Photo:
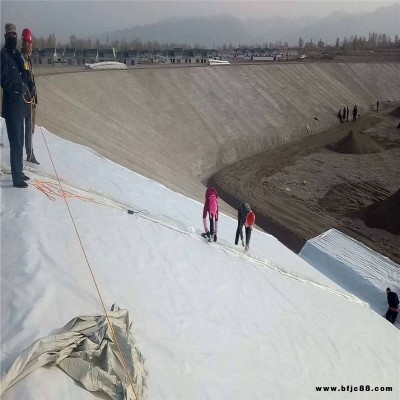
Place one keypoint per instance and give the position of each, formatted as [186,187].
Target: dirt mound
[350,197]
[356,143]
[385,214]
[395,112]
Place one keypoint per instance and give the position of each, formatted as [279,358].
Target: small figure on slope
[211,207]
[393,302]
[246,218]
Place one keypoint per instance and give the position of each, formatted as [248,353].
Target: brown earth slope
[180,125]
[304,188]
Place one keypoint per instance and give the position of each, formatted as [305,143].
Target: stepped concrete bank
[180,125]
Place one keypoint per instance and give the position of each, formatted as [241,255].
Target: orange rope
[52,191]
[63,194]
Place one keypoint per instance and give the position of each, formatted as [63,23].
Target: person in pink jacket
[211,207]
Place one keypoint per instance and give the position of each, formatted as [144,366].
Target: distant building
[46,56]
[200,56]
[263,55]
[69,57]
[188,57]
[58,56]
[120,56]
[223,54]
[131,57]
[176,56]
[106,55]
[263,58]
[157,57]
[89,56]
[247,54]
[178,52]
[143,56]
[169,56]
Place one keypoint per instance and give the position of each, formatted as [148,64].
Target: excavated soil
[385,214]
[356,143]
[395,113]
[347,177]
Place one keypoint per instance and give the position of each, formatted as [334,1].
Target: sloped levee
[179,125]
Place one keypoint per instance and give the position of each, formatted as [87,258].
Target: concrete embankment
[179,125]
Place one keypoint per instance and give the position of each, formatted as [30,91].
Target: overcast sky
[87,18]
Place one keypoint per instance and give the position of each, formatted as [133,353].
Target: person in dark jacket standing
[355,110]
[14,89]
[340,115]
[347,114]
[246,218]
[31,97]
[393,310]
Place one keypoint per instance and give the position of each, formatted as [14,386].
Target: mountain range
[215,31]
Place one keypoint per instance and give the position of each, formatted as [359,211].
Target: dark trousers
[239,232]
[242,214]
[391,316]
[28,136]
[15,131]
[212,224]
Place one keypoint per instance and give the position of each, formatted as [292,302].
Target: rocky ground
[329,180]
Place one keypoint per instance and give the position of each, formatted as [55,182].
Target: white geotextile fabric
[106,65]
[85,349]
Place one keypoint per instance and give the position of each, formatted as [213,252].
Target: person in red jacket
[211,208]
